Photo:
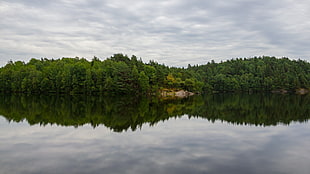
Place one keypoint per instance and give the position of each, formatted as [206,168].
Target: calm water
[203,134]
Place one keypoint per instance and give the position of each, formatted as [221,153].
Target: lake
[220,133]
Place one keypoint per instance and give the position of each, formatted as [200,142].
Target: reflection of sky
[175,146]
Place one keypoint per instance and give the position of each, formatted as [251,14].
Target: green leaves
[123,75]
[255,74]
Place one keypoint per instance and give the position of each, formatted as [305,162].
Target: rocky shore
[176,93]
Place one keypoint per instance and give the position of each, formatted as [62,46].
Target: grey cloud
[173,32]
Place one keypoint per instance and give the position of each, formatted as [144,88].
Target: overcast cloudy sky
[174,32]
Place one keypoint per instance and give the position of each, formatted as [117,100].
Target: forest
[120,74]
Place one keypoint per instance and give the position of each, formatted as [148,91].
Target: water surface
[203,134]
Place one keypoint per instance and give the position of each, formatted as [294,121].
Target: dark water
[202,134]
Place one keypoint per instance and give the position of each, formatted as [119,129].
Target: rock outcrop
[302,91]
[178,94]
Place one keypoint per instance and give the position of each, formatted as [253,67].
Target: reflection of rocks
[302,91]
[179,94]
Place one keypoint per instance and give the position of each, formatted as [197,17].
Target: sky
[172,32]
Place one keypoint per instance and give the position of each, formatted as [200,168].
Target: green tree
[144,82]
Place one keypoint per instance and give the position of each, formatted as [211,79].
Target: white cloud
[175,32]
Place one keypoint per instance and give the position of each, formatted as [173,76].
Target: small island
[120,75]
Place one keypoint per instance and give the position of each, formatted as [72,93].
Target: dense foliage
[255,74]
[120,74]
[121,113]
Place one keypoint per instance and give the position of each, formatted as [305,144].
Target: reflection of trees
[122,113]
[256,109]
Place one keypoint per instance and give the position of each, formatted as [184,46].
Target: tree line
[255,74]
[121,74]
